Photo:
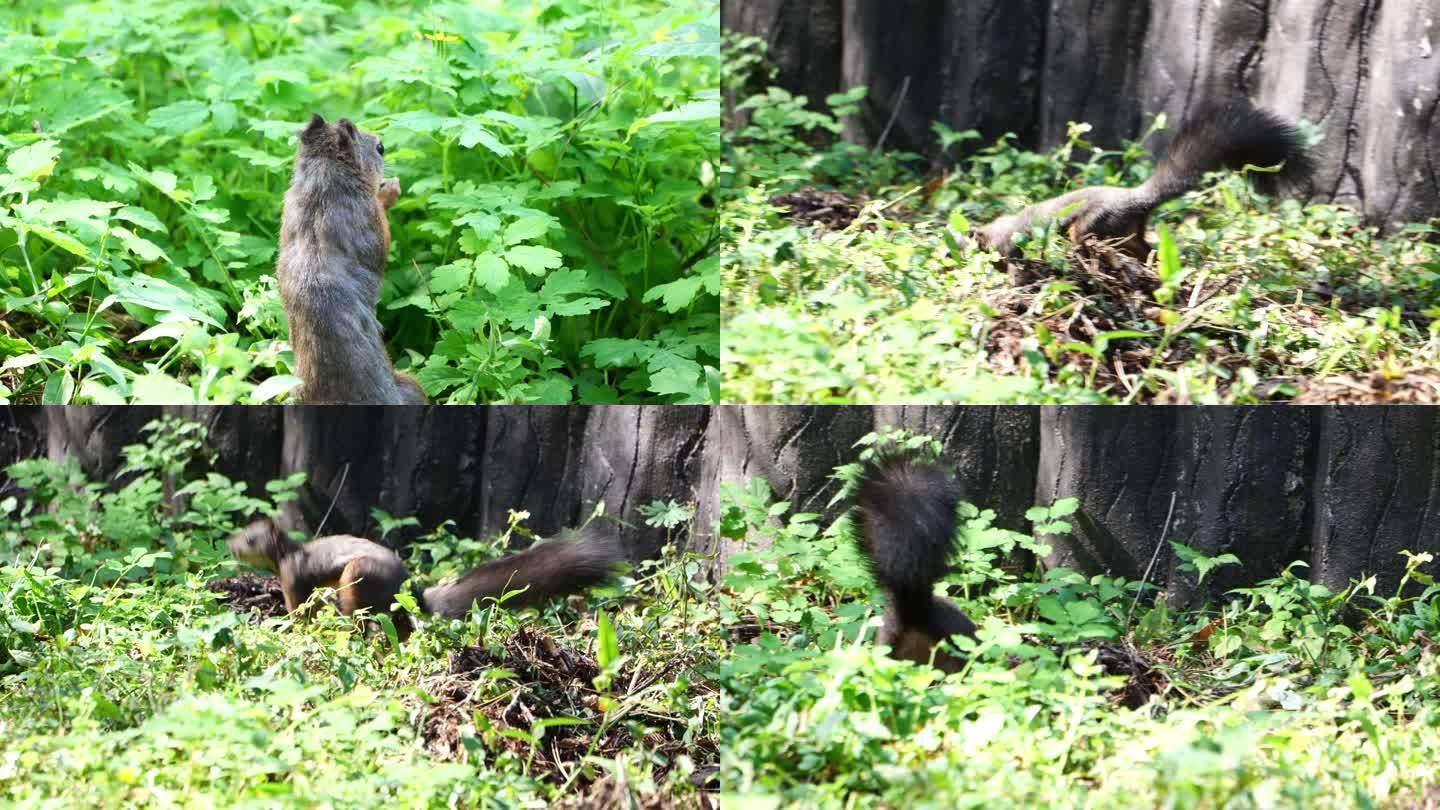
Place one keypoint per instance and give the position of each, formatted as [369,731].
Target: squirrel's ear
[346,132]
[314,129]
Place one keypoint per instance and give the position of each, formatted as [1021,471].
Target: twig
[333,499]
[894,113]
[1153,557]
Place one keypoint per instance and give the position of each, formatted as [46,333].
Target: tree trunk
[466,465]
[1343,489]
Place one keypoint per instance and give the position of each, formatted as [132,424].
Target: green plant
[1245,298]
[130,683]
[1284,695]
[553,243]
[169,517]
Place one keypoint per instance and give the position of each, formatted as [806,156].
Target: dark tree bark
[1233,474]
[466,465]
[1344,489]
[794,448]
[95,436]
[634,456]
[540,473]
[995,451]
[22,435]
[240,437]
[1377,493]
[803,39]
[1362,71]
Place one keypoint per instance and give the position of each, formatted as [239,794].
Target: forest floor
[853,278]
[145,671]
[190,691]
[1077,694]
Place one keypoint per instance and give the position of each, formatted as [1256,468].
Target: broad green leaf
[140,218]
[160,295]
[158,388]
[34,161]
[533,259]
[677,294]
[550,391]
[274,387]
[472,133]
[159,178]
[693,111]
[688,385]
[589,88]
[180,117]
[617,352]
[453,276]
[491,272]
[526,228]
[140,246]
[59,388]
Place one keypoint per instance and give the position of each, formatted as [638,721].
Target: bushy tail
[905,526]
[572,562]
[1231,135]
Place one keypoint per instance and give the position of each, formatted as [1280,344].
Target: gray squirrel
[905,524]
[1228,135]
[369,575]
[334,241]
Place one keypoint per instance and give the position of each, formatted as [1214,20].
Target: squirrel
[366,574]
[1229,135]
[334,240]
[905,516]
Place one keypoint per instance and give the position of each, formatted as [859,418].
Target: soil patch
[808,206]
[1419,386]
[551,681]
[251,593]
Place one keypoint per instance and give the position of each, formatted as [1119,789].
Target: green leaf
[59,388]
[676,295]
[607,641]
[159,178]
[618,352]
[140,246]
[526,228]
[491,272]
[418,121]
[182,116]
[550,391]
[689,385]
[274,387]
[589,88]
[533,259]
[693,111]
[453,276]
[160,295]
[140,218]
[158,388]
[472,133]
[34,161]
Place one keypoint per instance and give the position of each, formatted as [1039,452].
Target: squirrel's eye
[380,147]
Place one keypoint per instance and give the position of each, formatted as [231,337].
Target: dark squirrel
[366,574]
[334,241]
[1228,135]
[905,521]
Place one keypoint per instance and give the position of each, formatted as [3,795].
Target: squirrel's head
[343,143]
[258,544]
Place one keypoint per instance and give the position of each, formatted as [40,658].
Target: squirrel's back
[334,242]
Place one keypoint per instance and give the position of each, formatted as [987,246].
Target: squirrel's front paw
[389,191]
